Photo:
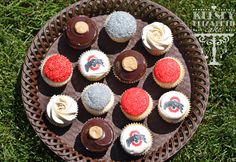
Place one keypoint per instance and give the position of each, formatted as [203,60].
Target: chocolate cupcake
[129,66]
[81,32]
[97,135]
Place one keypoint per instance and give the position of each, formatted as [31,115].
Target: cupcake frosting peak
[62,109]
[157,36]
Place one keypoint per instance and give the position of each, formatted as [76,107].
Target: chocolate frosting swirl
[101,144]
[130,76]
[81,41]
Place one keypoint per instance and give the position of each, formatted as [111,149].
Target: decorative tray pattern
[65,142]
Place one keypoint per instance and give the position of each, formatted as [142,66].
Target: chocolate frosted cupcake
[81,32]
[97,98]
[129,66]
[97,135]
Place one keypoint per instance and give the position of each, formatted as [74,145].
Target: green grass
[215,140]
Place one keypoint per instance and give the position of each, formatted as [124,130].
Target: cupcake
[136,139]
[97,135]
[168,72]
[97,98]
[173,106]
[129,66]
[61,110]
[81,32]
[136,104]
[94,65]
[56,70]
[120,26]
[157,38]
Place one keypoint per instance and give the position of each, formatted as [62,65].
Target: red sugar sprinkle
[57,68]
[167,70]
[135,101]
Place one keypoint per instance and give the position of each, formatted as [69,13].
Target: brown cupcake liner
[94,78]
[98,118]
[145,114]
[171,121]
[178,81]
[105,110]
[140,124]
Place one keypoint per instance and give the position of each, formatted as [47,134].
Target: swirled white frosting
[157,36]
[62,109]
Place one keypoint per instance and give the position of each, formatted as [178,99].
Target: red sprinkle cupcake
[136,104]
[168,72]
[56,70]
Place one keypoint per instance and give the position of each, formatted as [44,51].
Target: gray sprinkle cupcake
[120,26]
[97,98]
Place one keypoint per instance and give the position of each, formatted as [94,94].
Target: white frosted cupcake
[94,65]
[157,38]
[120,26]
[97,98]
[173,106]
[61,110]
[136,139]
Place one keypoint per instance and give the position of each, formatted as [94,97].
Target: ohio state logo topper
[174,105]
[135,138]
[93,63]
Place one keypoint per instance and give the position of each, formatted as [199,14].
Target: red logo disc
[97,65]
[135,143]
[171,108]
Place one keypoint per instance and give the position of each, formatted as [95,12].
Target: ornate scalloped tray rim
[139,8]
